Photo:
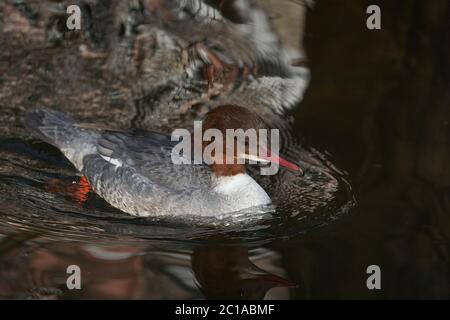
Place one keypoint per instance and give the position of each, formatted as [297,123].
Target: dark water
[375,142]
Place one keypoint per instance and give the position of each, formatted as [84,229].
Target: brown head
[235,117]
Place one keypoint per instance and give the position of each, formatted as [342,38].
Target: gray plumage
[133,171]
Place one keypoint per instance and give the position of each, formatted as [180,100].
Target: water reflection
[49,222]
[35,268]
[227,272]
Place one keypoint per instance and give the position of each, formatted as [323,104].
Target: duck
[134,171]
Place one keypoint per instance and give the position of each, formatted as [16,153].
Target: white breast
[241,192]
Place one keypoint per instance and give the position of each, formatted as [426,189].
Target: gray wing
[149,153]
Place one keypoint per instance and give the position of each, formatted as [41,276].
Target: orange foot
[78,191]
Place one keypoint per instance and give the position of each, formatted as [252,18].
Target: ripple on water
[302,202]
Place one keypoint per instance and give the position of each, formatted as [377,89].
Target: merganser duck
[134,172]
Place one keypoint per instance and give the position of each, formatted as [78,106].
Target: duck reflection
[106,272]
[227,272]
[135,271]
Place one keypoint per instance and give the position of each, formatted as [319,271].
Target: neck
[241,191]
[227,170]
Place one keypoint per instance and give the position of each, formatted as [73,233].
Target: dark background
[379,102]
